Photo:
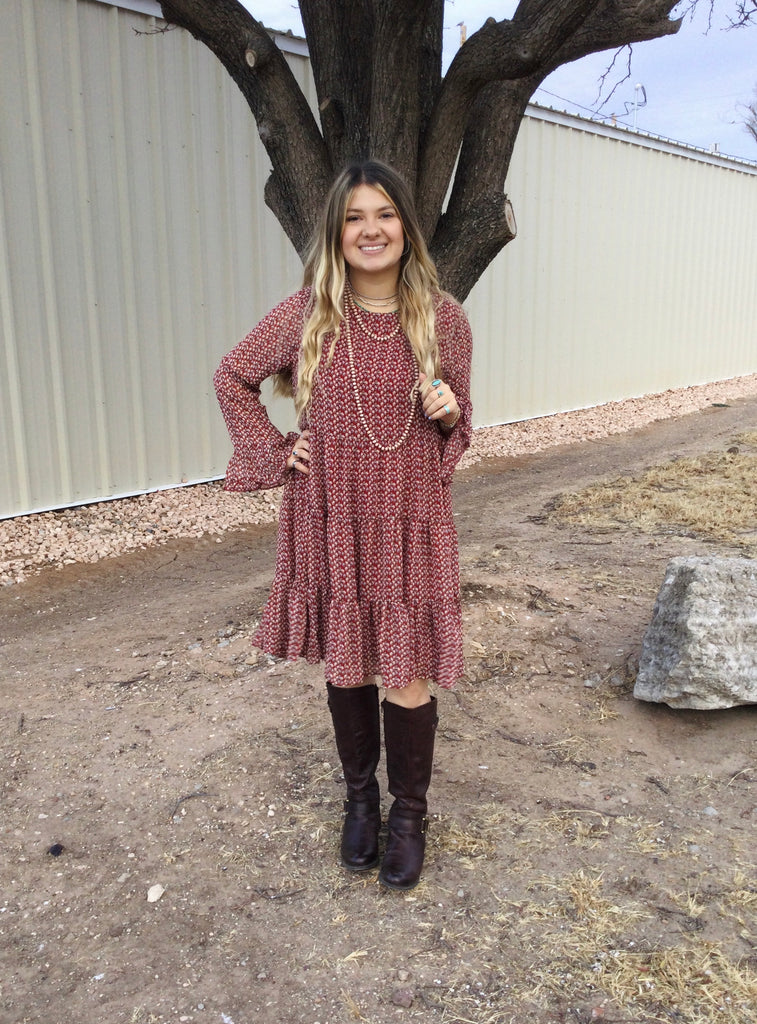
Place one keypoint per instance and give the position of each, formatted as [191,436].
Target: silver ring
[446,409]
[440,393]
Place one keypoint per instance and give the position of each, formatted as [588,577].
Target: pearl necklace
[351,307]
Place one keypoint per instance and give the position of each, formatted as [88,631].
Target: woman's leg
[410,696]
[410,721]
[355,715]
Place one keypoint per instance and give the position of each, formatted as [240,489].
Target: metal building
[135,249]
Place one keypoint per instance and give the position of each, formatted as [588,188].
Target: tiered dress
[366,575]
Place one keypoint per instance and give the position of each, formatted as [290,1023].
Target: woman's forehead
[368,197]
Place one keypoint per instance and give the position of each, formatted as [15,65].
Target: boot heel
[405,851]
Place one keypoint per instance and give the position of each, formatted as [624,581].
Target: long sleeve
[260,450]
[455,350]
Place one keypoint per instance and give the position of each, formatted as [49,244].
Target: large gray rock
[700,650]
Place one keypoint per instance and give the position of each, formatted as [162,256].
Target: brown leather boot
[355,714]
[409,740]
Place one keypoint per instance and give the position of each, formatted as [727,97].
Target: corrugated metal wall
[135,249]
[633,272]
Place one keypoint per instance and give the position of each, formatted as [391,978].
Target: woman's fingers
[439,401]
[300,455]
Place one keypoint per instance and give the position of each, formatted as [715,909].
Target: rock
[403,997]
[154,893]
[700,649]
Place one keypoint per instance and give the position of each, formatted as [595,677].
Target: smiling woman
[366,579]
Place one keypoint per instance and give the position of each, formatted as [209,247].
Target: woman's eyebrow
[359,209]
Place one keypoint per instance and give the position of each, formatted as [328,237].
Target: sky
[696,83]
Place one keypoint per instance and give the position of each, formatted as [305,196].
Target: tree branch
[342,73]
[395,111]
[377,67]
[541,36]
[301,167]
[479,220]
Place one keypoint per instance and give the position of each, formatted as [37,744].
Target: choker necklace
[386,300]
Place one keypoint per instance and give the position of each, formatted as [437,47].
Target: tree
[377,66]
[750,117]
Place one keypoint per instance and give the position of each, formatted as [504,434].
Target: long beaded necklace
[350,307]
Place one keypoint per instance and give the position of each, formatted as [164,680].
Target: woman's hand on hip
[439,402]
[299,457]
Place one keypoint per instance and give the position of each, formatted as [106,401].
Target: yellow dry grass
[581,945]
[710,497]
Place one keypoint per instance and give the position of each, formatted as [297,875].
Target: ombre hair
[326,272]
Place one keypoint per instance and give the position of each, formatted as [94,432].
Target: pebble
[403,997]
[154,893]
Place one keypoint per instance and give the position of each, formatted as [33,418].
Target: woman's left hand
[439,402]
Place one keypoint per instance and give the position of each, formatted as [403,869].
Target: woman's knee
[411,696]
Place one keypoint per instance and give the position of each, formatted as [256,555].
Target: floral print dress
[366,576]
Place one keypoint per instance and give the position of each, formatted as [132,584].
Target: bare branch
[746,13]
[750,117]
[603,78]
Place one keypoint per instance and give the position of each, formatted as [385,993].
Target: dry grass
[581,945]
[700,985]
[478,838]
[710,498]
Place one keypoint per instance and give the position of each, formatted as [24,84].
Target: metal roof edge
[636,137]
[286,41]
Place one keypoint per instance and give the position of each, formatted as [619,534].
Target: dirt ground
[590,857]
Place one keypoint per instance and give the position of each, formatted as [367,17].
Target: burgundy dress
[366,573]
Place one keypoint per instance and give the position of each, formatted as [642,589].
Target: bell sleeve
[260,449]
[455,351]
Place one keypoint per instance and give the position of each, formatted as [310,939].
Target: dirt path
[590,858]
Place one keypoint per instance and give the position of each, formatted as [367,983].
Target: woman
[366,579]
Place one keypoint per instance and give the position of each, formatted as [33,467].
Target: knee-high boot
[409,740]
[355,714]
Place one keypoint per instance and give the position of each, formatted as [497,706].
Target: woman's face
[372,237]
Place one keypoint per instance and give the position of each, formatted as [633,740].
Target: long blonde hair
[325,273]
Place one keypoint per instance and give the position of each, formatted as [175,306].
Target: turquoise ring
[435,383]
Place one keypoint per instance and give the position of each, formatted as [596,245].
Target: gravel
[87,533]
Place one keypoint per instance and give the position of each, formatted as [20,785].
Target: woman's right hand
[299,457]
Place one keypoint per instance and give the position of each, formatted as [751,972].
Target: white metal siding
[632,272]
[135,249]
